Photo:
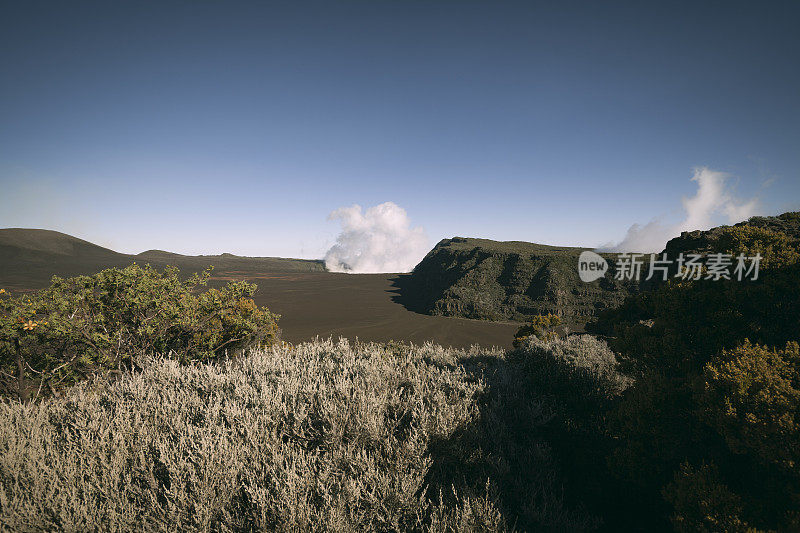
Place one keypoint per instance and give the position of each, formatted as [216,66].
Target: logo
[630,266]
[591,266]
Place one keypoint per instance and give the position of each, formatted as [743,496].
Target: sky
[208,126]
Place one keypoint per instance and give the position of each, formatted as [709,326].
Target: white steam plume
[378,240]
[712,201]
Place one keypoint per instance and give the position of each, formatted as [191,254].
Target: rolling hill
[30,257]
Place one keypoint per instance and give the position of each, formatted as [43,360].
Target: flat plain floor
[335,305]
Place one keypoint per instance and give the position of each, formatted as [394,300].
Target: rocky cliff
[491,280]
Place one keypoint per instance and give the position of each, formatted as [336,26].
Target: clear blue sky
[208,126]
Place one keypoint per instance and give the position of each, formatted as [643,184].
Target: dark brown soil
[362,305]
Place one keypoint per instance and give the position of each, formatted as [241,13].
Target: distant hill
[229,263]
[484,279]
[30,257]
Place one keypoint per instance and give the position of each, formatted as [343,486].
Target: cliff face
[490,280]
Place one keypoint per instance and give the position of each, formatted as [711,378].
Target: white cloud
[712,204]
[380,239]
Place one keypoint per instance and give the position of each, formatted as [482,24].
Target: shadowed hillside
[484,279]
[30,257]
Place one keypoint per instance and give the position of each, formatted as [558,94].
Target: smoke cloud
[380,239]
[712,202]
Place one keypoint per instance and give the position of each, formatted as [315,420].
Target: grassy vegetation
[320,437]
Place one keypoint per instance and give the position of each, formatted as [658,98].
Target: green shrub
[703,504]
[577,380]
[774,247]
[540,326]
[751,396]
[576,368]
[85,324]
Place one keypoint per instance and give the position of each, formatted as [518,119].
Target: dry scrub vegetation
[325,436]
